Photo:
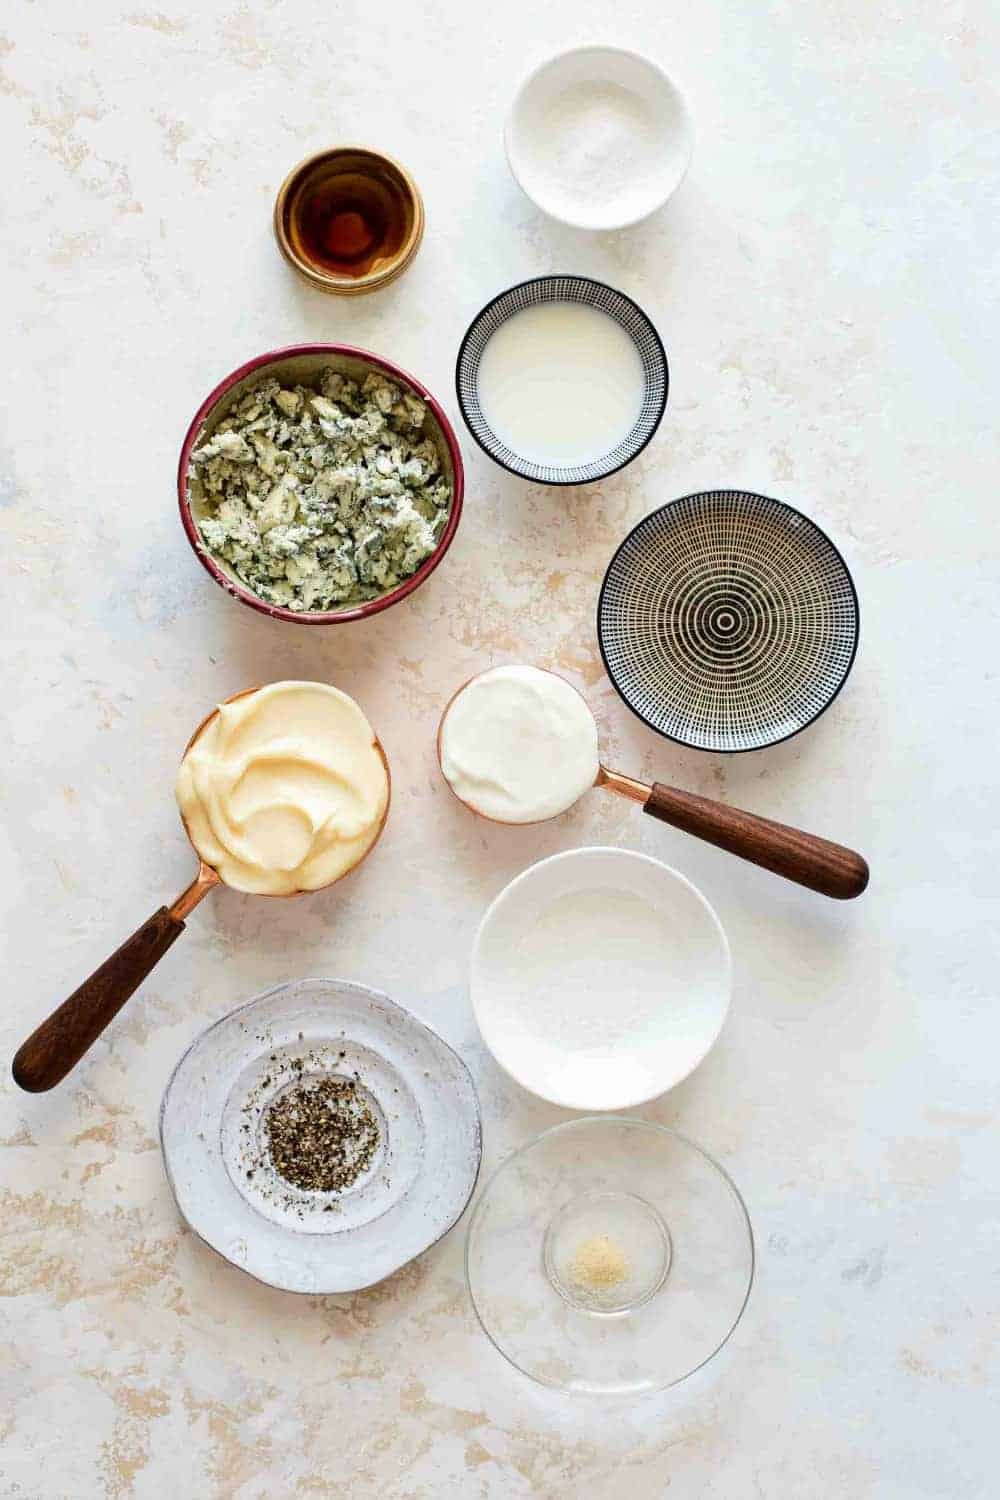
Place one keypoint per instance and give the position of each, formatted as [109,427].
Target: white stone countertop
[825,284]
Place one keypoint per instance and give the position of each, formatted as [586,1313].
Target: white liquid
[593,971]
[561,384]
[595,985]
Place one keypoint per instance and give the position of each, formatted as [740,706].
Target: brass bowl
[387,176]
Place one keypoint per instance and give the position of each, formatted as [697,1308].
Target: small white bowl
[594,1005]
[542,148]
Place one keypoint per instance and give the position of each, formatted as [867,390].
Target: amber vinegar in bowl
[349,220]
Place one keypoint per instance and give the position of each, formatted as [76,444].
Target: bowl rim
[734,749]
[567,1126]
[533,281]
[584,854]
[633,55]
[239,591]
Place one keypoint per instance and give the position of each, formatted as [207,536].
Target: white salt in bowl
[600,978]
[599,137]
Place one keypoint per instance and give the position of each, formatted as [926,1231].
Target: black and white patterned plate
[727,620]
[626,313]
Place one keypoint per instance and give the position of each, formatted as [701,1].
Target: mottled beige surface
[825,284]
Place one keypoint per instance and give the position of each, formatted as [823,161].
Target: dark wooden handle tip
[816,863]
[58,1044]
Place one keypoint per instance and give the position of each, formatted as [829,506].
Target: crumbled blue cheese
[317,498]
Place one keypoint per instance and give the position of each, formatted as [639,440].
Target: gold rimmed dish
[349,220]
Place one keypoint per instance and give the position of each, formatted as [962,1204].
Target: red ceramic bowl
[302,363]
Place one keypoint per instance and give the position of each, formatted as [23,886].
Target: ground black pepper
[322,1135]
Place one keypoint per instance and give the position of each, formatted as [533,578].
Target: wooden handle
[828,868]
[60,1042]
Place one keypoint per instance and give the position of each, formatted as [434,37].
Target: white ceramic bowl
[600,978]
[545,149]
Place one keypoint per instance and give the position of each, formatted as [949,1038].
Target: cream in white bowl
[600,978]
[599,137]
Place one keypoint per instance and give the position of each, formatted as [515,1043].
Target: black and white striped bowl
[626,313]
[727,621]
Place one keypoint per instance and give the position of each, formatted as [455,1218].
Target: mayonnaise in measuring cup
[284,789]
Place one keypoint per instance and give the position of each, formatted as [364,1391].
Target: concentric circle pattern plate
[212,1129]
[727,620]
[626,313]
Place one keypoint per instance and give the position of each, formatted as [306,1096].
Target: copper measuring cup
[58,1044]
[822,866]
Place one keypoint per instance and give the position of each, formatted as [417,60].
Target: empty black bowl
[728,621]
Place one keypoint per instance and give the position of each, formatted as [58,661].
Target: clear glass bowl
[609,1255]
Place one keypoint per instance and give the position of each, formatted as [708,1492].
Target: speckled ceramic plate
[215,1144]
